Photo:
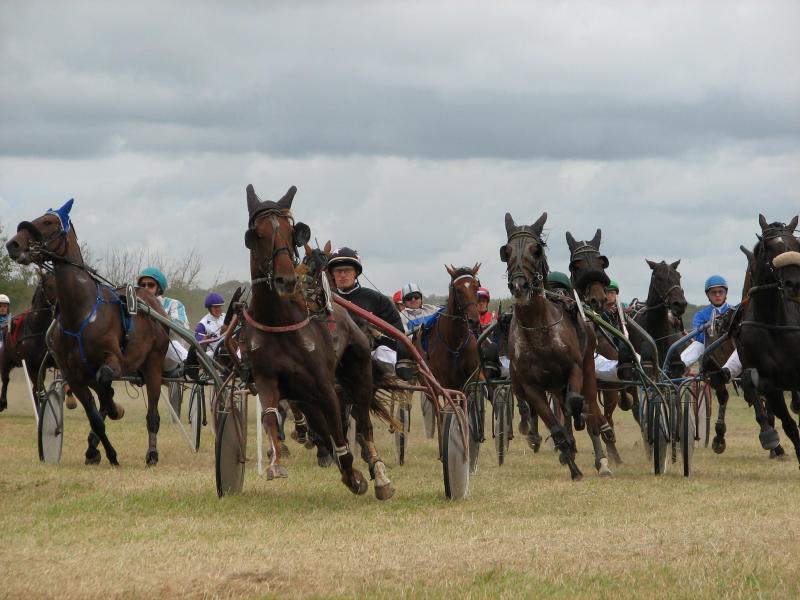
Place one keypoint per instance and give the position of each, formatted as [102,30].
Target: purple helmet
[214,299]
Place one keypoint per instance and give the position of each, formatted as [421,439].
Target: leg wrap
[607,434]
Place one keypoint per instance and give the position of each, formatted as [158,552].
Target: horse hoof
[277,472]
[718,445]
[358,484]
[118,414]
[71,403]
[92,457]
[324,460]
[151,459]
[577,476]
[524,428]
[112,458]
[3,405]
[603,469]
[384,492]
[297,437]
[769,439]
[534,441]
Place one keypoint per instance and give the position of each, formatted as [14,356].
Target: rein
[269,264]
[274,329]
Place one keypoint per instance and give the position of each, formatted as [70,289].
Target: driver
[213,324]
[415,313]
[153,280]
[5,309]
[717,293]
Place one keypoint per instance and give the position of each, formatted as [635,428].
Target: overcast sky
[409,128]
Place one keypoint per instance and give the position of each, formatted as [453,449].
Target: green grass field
[72,531]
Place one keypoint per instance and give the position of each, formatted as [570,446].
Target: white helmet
[410,288]
[4,299]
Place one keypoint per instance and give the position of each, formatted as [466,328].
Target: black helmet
[345,257]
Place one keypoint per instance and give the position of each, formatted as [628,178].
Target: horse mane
[462,271]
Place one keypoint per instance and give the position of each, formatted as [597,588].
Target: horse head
[463,294]
[777,257]
[273,238]
[47,238]
[523,253]
[665,287]
[587,270]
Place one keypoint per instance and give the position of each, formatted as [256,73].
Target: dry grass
[74,531]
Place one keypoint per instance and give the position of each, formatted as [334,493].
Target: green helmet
[558,279]
[613,285]
[155,274]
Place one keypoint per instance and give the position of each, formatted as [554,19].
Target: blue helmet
[214,299]
[157,275]
[716,281]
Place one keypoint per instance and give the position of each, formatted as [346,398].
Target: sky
[409,128]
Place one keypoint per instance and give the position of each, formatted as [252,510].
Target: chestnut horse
[304,359]
[766,330]
[550,347]
[28,343]
[452,341]
[92,345]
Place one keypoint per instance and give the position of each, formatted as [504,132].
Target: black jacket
[379,305]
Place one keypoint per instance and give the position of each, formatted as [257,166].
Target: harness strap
[274,329]
[78,335]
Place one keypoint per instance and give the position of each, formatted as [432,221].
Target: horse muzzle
[17,253]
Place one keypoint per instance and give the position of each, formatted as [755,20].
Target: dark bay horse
[550,347]
[25,339]
[587,273]
[766,330]
[452,345]
[305,359]
[661,315]
[92,344]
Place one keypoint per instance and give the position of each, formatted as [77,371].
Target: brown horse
[550,347]
[25,339]
[452,346]
[587,273]
[92,344]
[304,359]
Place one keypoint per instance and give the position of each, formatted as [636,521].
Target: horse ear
[762,221]
[675,264]
[307,248]
[750,256]
[651,263]
[475,268]
[539,225]
[286,201]
[510,225]
[792,224]
[571,241]
[252,199]
[327,248]
[596,239]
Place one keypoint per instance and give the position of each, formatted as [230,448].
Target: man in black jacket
[345,266]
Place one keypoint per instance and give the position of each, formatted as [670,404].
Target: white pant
[176,354]
[692,353]
[734,365]
[605,369]
[385,354]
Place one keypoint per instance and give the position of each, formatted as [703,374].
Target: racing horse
[301,358]
[550,347]
[661,315]
[587,272]
[25,339]
[96,339]
[766,329]
[449,341]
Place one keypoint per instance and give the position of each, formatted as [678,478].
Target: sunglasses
[148,285]
[413,297]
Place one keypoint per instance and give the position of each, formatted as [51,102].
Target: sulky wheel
[455,461]
[229,454]
[51,424]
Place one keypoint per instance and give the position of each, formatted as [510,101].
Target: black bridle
[300,235]
[520,239]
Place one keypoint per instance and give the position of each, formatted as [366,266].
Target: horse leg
[105,393]
[778,406]
[610,402]
[597,422]
[718,443]
[97,423]
[525,419]
[574,399]
[5,376]
[537,399]
[768,436]
[152,377]
[269,397]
